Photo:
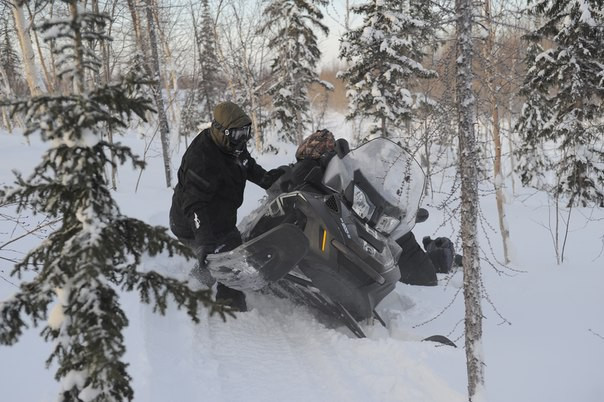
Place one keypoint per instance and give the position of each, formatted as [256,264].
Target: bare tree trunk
[136,25]
[78,74]
[107,78]
[511,147]
[27,51]
[347,16]
[255,125]
[499,195]
[557,229]
[104,78]
[139,36]
[6,120]
[53,69]
[8,92]
[50,84]
[427,155]
[496,126]
[164,129]
[299,134]
[469,200]
[169,61]
[254,117]
[409,130]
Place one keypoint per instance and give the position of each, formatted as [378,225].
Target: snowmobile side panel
[358,262]
[264,259]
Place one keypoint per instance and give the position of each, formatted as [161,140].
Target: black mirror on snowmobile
[315,177]
[342,147]
[422,215]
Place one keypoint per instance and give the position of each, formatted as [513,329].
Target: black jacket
[210,190]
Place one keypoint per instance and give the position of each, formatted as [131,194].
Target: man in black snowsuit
[211,182]
[418,267]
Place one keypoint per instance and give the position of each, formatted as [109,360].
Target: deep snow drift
[544,343]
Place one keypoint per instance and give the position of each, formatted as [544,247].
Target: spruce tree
[207,84]
[561,122]
[9,60]
[10,81]
[83,265]
[210,85]
[292,25]
[191,114]
[384,58]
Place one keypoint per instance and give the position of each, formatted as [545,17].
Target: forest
[499,96]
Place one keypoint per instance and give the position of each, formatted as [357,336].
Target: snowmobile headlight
[361,204]
[386,224]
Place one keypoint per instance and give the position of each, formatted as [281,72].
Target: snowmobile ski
[262,260]
[303,292]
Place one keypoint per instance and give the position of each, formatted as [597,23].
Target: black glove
[271,176]
[202,251]
[441,252]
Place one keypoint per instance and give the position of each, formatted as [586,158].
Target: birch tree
[32,75]
[164,128]
[492,93]
[469,199]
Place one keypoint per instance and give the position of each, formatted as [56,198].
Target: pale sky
[334,16]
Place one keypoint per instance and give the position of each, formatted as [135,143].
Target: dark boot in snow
[231,297]
[441,252]
[415,265]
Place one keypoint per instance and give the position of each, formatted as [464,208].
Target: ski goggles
[239,134]
[235,135]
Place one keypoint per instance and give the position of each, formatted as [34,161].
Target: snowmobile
[329,243]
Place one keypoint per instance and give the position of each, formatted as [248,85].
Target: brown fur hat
[316,145]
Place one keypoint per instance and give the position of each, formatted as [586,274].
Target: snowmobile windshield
[382,182]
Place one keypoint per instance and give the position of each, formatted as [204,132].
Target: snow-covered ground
[543,332]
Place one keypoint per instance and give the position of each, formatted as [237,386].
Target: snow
[56,316]
[586,14]
[543,335]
